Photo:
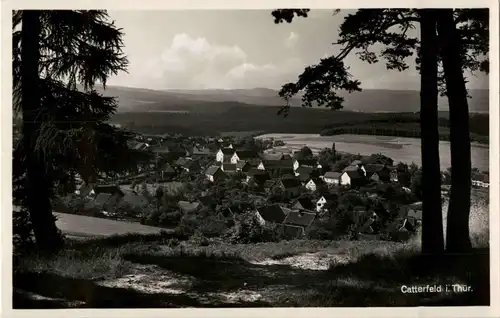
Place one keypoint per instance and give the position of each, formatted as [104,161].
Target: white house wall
[345,179]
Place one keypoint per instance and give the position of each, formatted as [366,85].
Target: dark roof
[351,168]
[304,177]
[101,199]
[290,183]
[228,151]
[304,203]
[374,167]
[271,156]
[168,168]
[200,150]
[212,170]
[356,162]
[273,164]
[240,164]
[299,218]
[229,167]
[305,170]
[353,174]
[261,178]
[316,181]
[307,162]
[332,175]
[255,171]
[110,189]
[135,199]
[246,154]
[182,161]
[329,197]
[272,213]
[483,177]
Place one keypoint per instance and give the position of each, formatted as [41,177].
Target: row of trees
[450,42]
[407,132]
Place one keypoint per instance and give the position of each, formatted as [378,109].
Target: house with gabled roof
[270,214]
[257,176]
[111,189]
[229,168]
[275,164]
[246,155]
[351,178]
[307,163]
[272,156]
[226,155]
[313,184]
[134,199]
[243,166]
[378,172]
[332,177]
[303,204]
[200,151]
[214,174]
[299,218]
[268,185]
[167,171]
[481,180]
[290,187]
[106,203]
[326,202]
[188,164]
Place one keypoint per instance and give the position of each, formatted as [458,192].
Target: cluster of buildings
[268,174]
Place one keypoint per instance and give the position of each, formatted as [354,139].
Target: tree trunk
[457,229]
[38,184]
[432,222]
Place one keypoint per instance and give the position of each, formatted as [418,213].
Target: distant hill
[218,100]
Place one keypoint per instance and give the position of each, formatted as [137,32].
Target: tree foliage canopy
[361,31]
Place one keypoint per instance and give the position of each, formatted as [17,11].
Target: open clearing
[86,226]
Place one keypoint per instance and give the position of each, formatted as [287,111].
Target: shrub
[22,232]
[247,229]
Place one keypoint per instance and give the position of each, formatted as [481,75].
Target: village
[229,176]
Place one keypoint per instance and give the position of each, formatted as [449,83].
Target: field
[84,226]
[159,270]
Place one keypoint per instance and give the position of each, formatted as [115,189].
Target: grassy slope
[365,274]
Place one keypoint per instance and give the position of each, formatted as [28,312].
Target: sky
[234,49]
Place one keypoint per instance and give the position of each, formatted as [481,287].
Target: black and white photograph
[251,158]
